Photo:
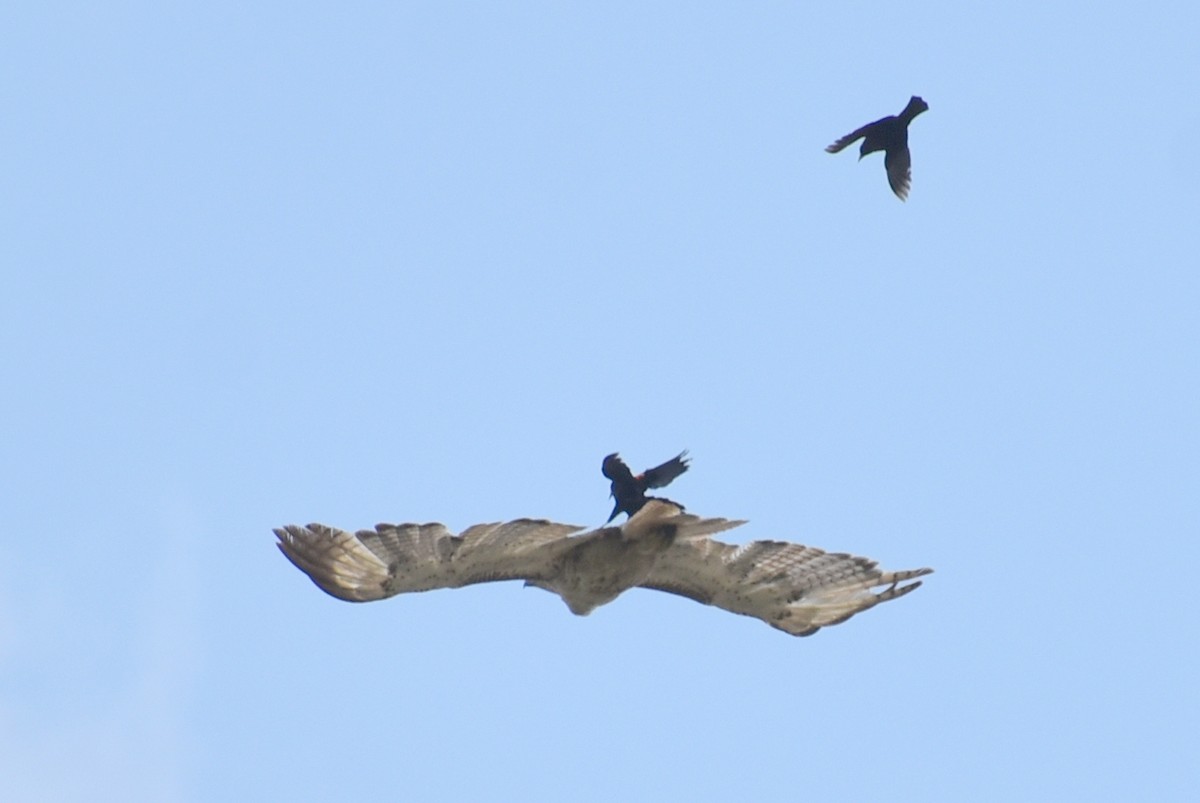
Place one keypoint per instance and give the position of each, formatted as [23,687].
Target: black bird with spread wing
[629,491]
[797,589]
[889,135]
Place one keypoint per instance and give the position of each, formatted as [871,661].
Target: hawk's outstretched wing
[397,558]
[798,589]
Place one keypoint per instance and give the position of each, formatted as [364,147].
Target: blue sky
[360,262]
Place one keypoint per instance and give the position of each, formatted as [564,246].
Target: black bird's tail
[616,510]
[915,106]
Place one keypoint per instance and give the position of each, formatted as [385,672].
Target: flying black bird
[889,135]
[629,491]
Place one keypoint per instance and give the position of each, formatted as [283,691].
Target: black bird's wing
[615,469]
[661,476]
[850,138]
[879,126]
[898,162]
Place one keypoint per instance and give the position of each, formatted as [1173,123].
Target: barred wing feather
[798,589]
[399,558]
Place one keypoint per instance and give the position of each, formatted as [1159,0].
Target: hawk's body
[795,588]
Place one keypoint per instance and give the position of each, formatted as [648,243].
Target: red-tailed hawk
[798,589]
[629,491]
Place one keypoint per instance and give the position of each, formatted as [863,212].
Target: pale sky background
[270,263]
